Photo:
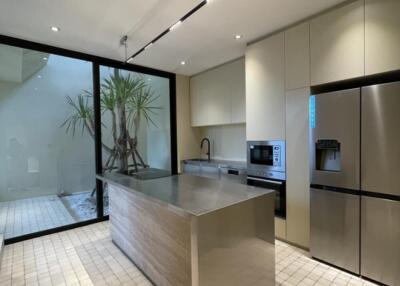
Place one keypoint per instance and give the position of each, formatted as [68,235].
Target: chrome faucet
[208,147]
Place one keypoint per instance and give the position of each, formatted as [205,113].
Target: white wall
[228,142]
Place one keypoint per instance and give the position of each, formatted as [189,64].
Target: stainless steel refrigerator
[335,179]
[380,183]
[355,190]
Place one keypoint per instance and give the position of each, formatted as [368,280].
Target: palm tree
[128,100]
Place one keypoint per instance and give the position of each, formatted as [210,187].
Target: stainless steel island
[188,230]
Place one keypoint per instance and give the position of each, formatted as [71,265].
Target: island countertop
[187,193]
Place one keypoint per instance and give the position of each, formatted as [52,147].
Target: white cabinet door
[337,44]
[218,95]
[297,167]
[210,104]
[237,89]
[382,36]
[297,56]
[265,89]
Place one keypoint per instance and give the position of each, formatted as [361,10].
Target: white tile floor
[86,256]
[25,216]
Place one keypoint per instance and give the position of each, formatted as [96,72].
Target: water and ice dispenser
[327,155]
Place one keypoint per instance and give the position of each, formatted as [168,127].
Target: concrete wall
[37,157]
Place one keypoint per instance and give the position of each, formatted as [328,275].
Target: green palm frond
[141,104]
[81,114]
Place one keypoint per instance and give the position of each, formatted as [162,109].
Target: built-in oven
[266,168]
[280,192]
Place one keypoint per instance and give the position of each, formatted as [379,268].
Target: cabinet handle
[265,180]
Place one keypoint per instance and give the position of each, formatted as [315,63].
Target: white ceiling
[204,40]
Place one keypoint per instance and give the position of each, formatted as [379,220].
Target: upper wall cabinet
[382,36]
[265,89]
[337,44]
[297,56]
[217,96]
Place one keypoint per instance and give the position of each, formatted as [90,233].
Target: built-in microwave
[266,159]
[266,168]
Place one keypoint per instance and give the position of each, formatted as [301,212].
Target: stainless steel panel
[380,166]
[235,245]
[335,228]
[233,175]
[337,117]
[211,172]
[380,240]
[186,193]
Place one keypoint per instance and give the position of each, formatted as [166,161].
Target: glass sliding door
[136,131]
[47,164]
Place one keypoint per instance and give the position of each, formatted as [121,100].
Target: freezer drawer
[380,240]
[335,225]
[380,164]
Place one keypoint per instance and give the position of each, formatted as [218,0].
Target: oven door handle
[265,180]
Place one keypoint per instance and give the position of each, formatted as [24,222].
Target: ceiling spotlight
[183,63]
[45,59]
[55,29]
[39,76]
[148,46]
[238,37]
[174,26]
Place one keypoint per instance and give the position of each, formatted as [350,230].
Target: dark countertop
[187,193]
[242,165]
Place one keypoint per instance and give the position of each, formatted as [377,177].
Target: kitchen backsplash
[228,142]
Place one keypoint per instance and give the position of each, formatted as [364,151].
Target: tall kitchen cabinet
[297,78]
[382,36]
[217,96]
[337,44]
[265,89]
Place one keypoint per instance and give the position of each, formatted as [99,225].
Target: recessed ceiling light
[183,63]
[149,79]
[174,26]
[39,76]
[55,29]
[45,59]
[238,37]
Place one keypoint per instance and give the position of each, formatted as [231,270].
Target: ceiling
[204,40]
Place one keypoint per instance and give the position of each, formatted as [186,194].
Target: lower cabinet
[280,228]
[192,169]
[202,170]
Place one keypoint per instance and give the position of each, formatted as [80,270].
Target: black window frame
[96,63]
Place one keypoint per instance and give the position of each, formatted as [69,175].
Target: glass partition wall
[54,110]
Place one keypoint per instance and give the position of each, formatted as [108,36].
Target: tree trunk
[122,140]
